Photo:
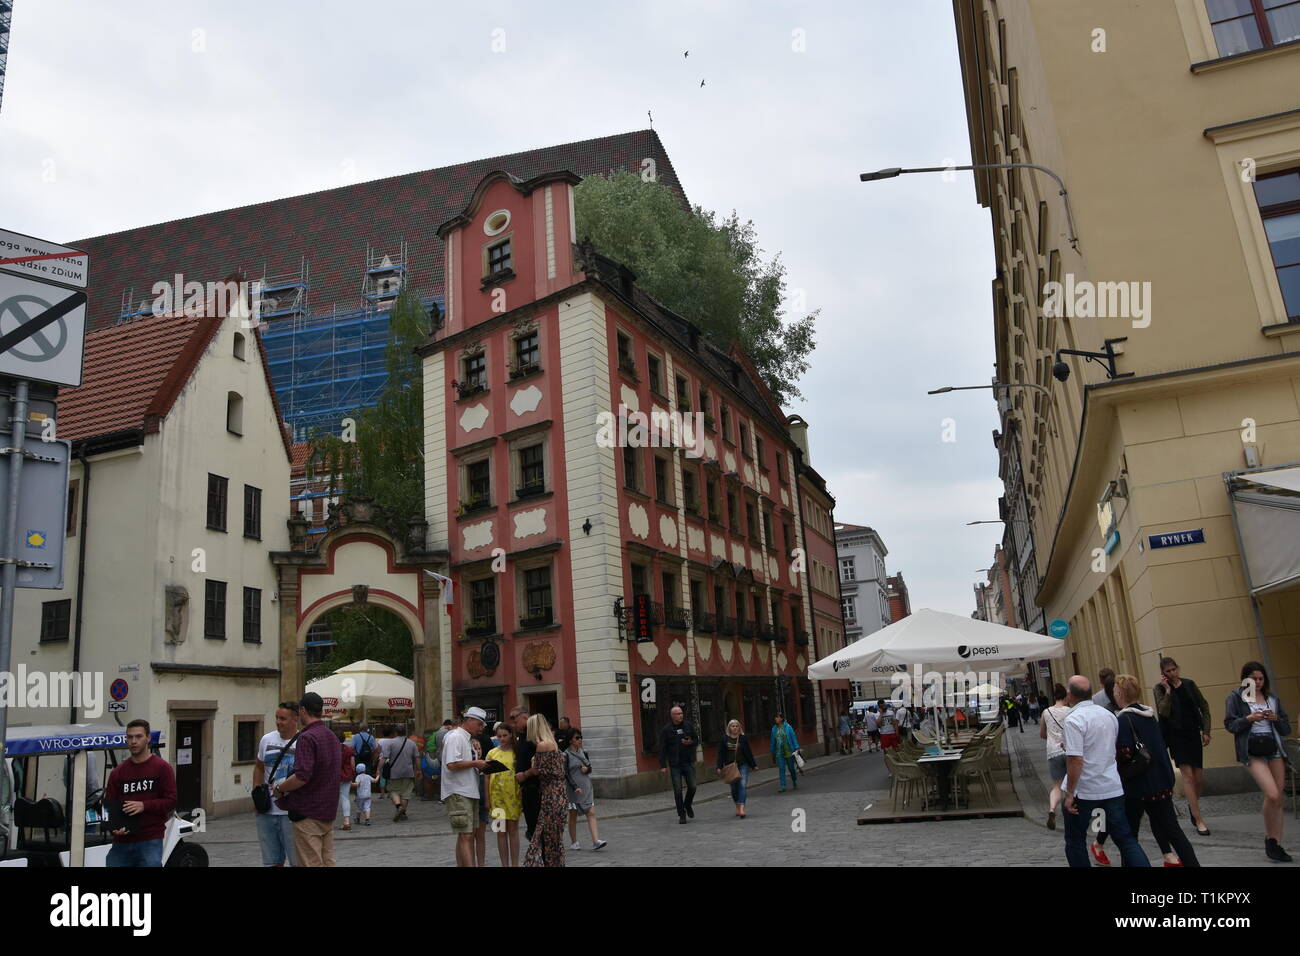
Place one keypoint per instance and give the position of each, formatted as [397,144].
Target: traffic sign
[42,511]
[26,255]
[1059,628]
[42,331]
[117,707]
[119,689]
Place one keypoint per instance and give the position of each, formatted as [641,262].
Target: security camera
[1060,371]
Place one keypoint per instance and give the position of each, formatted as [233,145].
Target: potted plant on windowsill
[518,370]
[479,627]
[535,619]
[530,489]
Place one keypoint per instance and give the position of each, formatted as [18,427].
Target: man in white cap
[460,791]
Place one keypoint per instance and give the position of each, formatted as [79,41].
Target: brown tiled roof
[331,228]
[298,453]
[132,374]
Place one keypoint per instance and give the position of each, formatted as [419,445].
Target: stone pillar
[428,657]
[292,657]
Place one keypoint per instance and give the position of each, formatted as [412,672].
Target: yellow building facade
[1173,126]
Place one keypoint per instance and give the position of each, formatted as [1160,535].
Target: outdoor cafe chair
[907,777]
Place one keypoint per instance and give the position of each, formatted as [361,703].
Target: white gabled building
[176,495]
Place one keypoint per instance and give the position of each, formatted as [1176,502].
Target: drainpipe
[81,568]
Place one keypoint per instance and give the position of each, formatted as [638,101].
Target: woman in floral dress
[547,846]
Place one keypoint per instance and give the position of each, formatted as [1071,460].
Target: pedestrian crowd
[1109,756]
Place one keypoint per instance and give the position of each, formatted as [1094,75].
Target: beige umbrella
[364,685]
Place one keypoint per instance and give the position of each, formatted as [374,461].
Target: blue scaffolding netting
[326,367]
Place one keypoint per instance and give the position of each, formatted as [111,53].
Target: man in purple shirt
[311,793]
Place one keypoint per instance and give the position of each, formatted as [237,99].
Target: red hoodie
[153,783]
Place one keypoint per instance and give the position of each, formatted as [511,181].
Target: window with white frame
[850,612]
[847,572]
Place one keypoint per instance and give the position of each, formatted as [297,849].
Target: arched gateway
[358,561]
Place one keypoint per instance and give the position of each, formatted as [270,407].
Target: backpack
[365,752]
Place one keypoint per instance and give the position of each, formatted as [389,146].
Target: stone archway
[357,560]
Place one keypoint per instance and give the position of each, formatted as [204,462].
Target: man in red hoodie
[146,785]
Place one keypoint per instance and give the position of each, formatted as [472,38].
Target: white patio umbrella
[936,640]
[363,685]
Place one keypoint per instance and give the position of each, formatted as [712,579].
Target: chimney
[799,432]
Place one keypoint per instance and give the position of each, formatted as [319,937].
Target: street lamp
[993,521]
[894,171]
[965,388]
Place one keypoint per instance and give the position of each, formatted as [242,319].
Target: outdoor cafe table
[943,764]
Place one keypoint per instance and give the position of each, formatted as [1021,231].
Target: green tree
[385,458]
[373,633]
[707,269]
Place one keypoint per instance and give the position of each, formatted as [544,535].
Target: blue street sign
[1059,629]
[1176,539]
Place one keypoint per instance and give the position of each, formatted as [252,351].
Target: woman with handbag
[577,778]
[785,750]
[1258,721]
[735,761]
[1146,775]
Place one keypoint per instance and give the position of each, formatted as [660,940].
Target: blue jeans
[275,836]
[1115,823]
[738,788]
[145,853]
[781,764]
[679,774]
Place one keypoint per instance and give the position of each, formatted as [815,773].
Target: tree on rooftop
[707,269]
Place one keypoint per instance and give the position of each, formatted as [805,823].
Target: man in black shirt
[564,734]
[677,742]
[530,787]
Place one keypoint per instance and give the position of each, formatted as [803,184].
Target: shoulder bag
[1139,758]
[262,792]
[731,771]
[389,765]
[1262,745]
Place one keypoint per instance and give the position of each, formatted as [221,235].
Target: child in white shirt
[362,785]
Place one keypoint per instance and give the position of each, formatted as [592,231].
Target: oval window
[496,222]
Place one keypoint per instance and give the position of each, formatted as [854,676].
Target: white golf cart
[74,761]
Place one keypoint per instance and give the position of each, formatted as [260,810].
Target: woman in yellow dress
[503,796]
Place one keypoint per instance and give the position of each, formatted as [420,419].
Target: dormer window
[499,261]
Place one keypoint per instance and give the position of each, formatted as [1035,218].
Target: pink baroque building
[556,534]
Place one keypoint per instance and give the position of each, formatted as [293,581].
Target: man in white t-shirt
[1092,779]
[872,726]
[460,773]
[274,828]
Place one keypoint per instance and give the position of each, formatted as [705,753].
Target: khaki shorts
[402,786]
[462,811]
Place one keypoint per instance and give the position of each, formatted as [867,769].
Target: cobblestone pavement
[815,825]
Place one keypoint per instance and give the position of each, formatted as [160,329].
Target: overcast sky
[124,114]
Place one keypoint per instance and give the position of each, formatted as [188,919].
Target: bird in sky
[701,82]
[686,54]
